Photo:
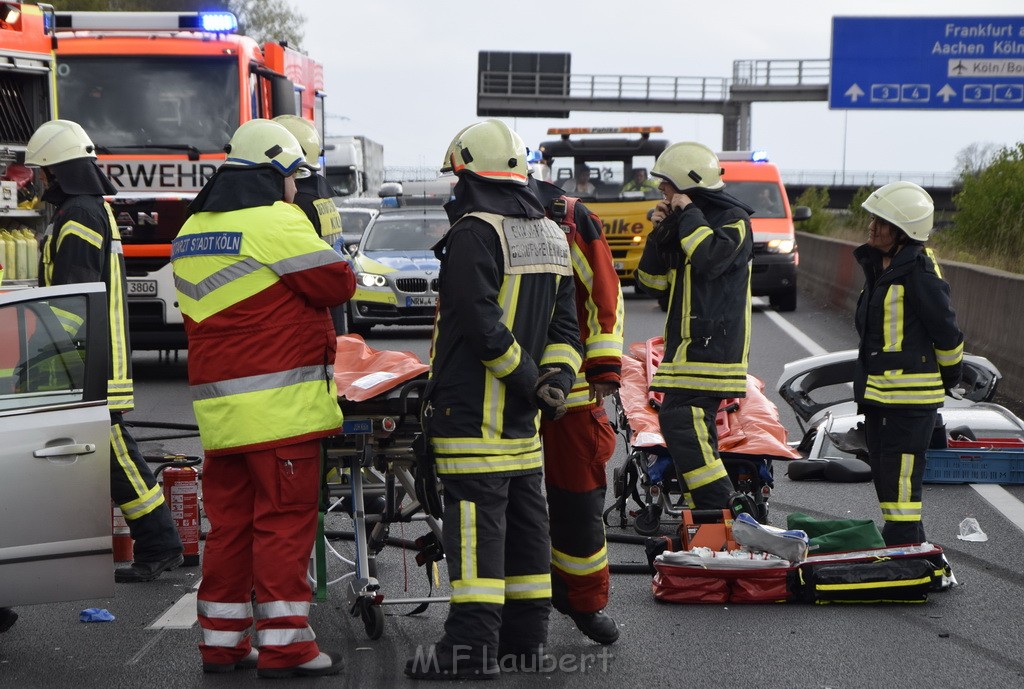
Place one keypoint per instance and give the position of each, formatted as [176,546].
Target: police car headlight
[780,246]
[372,280]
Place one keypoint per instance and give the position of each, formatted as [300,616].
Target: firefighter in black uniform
[505,344]
[911,351]
[699,254]
[83,245]
[313,195]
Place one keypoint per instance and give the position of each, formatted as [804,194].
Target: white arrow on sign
[854,92]
[946,92]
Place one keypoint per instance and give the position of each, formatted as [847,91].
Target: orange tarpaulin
[753,429]
[362,372]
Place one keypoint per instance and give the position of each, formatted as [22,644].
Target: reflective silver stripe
[135,509]
[224,611]
[266,381]
[197,291]
[295,264]
[283,637]
[694,239]
[115,247]
[212,637]
[282,608]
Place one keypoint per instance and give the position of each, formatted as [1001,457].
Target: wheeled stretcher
[371,473]
[750,437]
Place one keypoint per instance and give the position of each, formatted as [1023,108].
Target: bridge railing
[780,72]
[862,178]
[501,83]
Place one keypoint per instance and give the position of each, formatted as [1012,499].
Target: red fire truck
[26,101]
[161,93]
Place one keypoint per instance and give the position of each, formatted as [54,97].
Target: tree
[270,20]
[972,159]
[263,20]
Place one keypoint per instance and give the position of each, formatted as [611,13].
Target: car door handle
[65,450]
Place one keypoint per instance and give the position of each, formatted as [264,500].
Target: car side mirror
[801,213]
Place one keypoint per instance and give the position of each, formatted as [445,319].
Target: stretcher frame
[374,457]
[750,428]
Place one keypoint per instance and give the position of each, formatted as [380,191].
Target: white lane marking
[997,496]
[801,338]
[181,615]
[135,659]
[1007,505]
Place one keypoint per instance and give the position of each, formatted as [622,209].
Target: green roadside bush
[821,219]
[990,208]
[858,217]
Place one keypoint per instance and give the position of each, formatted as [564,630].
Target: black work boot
[598,626]
[7,619]
[140,571]
[739,503]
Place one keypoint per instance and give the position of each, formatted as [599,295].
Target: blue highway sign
[940,63]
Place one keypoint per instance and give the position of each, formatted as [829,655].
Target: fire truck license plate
[421,301]
[142,288]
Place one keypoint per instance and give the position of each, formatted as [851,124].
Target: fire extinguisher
[181,491]
[122,537]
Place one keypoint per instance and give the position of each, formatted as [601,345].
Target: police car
[396,270]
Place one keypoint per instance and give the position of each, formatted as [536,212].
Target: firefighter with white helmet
[506,343]
[314,196]
[911,351]
[82,244]
[254,284]
[698,256]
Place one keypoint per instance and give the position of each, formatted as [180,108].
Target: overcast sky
[403,72]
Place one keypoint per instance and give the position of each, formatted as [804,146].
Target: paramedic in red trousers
[82,244]
[910,353]
[314,196]
[505,344]
[577,446]
[699,253]
[254,284]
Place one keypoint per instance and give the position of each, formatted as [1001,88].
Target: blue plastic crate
[974,466]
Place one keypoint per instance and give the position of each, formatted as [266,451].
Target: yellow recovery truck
[613,157]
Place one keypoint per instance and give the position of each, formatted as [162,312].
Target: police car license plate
[421,301]
[142,288]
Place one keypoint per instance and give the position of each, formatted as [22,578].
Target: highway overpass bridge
[541,85]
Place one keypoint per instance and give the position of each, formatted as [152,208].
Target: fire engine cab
[26,101]
[160,94]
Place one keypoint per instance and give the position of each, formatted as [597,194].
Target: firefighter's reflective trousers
[135,490]
[897,440]
[688,427]
[262,508]
[576,449]
[498,552]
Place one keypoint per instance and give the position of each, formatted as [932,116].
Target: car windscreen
[764,197]
[354,223]
[404,234]
[595,179]
[128,101]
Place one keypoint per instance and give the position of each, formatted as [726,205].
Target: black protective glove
[550,397]
[951,378]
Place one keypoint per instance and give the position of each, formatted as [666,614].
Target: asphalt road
[968,636]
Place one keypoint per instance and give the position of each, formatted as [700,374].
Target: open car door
[55,528]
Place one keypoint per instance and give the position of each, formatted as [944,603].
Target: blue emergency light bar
[213,22]
[218,22]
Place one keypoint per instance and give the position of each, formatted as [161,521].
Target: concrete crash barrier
[987,301]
